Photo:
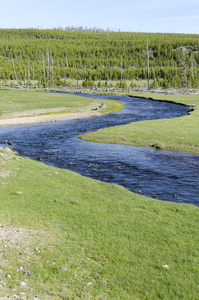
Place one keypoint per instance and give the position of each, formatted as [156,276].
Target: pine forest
[56,57]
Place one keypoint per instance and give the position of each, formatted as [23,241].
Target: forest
[51,57]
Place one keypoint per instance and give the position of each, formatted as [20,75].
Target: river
[160,174]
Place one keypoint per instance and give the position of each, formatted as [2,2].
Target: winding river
[164,175]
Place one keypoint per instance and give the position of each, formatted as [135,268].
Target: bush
[88,83]
[154,84]
[59,81]
[99,84]
[133,85]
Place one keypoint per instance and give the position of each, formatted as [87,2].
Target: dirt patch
[47,118]
[11,236]
[19,245]
[38,116]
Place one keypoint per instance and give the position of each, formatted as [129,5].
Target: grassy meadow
[178,134]
[15,101]
[112,243]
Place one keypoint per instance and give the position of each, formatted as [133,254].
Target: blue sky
[180,16]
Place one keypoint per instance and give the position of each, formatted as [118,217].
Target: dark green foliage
[122,84]
[51,56]
[88,83]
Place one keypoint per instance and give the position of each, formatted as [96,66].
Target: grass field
[13,101]
[112,243]
[179,134]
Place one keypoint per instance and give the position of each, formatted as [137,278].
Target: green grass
[111,106]
[178,134]
[101,233]
[182,99]
[13,101]
[17,101]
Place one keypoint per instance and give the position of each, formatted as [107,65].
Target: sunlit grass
[179,134]
[14,101]
[112,242]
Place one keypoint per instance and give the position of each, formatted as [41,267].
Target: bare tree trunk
[33,71]
[48,69]
[52,71]
[191,67]
[20,70]
[148,63]
[44,72]
[64,77]
[28,73]
[77,74]
[25,78]
[14,70]
[121,68]
[184,70]
[66,60]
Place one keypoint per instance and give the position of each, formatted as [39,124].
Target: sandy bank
[47,118]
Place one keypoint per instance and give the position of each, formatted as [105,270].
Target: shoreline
[47,118]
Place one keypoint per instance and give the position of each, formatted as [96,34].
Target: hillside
[52,57]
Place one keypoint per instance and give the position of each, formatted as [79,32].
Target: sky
[171,16]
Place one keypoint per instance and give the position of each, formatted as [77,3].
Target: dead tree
[66,60]
[147,52]
[44,72]
[48,69]
[14,70]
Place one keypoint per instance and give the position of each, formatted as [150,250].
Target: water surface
[165,175]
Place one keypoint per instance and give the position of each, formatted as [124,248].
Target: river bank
[177,134]
[21,107]
[48,118]
[81,237]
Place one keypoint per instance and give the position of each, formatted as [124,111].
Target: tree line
[49,57]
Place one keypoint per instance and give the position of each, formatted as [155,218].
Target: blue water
[164,175]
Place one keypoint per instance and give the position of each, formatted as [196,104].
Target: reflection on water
[164,175]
